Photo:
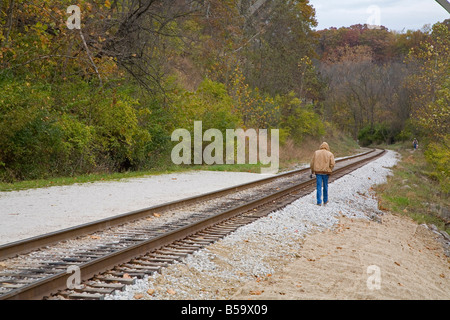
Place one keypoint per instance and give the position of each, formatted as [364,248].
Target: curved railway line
[110,253]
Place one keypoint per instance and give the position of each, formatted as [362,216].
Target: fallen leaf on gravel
[157,215]
[150,291]
[255,292]
[138,296]
[339,248]
[397,263]
[170,291]
[442,275]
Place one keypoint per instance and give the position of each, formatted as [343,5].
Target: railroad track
[109,254]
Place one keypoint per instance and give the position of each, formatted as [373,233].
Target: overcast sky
[399,15]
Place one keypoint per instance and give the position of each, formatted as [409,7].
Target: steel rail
[27,245]
[53,284]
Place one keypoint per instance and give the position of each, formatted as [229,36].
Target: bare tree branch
[88,52]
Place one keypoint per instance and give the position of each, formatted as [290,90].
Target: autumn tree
[381,41]
[430,84]
[281,39]
[362,93]
[430,91]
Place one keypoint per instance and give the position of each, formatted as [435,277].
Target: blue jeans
[322,183]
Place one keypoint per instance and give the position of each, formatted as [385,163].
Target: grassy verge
[290,156]
[412,191]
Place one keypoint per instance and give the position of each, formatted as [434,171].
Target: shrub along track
[107,255]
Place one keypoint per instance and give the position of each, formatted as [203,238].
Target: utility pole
[445,4]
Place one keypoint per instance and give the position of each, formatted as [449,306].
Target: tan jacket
[323,160]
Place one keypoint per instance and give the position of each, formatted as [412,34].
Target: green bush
[407,134]
[210,103]
[299,120]
[437,154]
[49,130]
[29,137]
[376,134]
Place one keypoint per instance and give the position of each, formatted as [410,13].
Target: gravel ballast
[259,250]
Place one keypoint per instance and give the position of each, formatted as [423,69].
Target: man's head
[325,146]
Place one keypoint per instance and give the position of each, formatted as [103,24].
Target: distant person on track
[415,144]
[322,165]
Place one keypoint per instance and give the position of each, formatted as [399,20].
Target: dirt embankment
[395,259]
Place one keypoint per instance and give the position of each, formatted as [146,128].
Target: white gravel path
[30,213]
[263,247]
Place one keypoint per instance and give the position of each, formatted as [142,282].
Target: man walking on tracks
[322,165]
[415,144]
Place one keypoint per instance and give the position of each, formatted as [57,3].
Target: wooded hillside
[107,97]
